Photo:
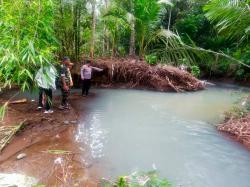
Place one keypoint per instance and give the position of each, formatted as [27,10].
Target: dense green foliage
[27,40]
[197,33]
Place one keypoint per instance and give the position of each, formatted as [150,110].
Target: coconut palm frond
[232,17]
[170,48]
[166,2]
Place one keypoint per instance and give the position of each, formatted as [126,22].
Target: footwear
[48,111]
[61,107]
[68,107]
[39,108]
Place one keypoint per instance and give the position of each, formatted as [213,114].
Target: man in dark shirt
[65,82]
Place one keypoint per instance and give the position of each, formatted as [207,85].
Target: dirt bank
[237,123]
[53,155]
[132,73]
[238,129]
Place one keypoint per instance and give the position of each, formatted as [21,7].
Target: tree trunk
[142,47]
[132,39]
[92,42]
[105,36]
[132,34]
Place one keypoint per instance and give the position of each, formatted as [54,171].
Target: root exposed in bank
[138,74]
[238,128]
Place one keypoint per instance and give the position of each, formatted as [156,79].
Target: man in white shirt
[86,75]
[46,81]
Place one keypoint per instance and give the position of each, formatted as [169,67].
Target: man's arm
[97,69]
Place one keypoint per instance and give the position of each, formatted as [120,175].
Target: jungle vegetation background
[208,36]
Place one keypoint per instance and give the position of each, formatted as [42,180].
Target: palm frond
[232,17]
[170,48]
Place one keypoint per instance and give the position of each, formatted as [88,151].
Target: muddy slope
[52,154]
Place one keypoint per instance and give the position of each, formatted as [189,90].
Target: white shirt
[46,77]
[86,71]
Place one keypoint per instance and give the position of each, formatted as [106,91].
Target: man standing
[66,81]
[46,78]
[86,75]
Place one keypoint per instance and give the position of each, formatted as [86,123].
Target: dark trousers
[86,84]
[65,95]
[48,93]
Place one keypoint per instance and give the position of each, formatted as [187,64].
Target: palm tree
[232,17]
[146,13]
[124,11]
[93,28]
[141,16]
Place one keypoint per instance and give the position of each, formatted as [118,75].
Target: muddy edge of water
[41,136]
[44,133]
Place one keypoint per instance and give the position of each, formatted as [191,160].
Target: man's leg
[67,97]
[64,97]
[48,93]
[40,102]
[83,87]
[88,86]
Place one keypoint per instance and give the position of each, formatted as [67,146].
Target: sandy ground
[41,136]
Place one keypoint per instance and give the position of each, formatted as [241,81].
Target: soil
[238,129]
[42,134]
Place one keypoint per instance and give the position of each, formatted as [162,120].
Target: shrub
[149,179]
[195,70]
[151,59]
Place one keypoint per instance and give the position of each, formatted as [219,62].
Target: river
[132,130]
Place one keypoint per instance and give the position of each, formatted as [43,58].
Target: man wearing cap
[66,82]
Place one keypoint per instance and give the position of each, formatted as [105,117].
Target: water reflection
[92,134]
[128,130]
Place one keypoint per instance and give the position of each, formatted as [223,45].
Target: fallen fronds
[3,109]
[139,74]
[239,128]
[58,152]
[237,122]
[7,132]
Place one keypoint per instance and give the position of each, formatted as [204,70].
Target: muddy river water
[131,130]
[122,131]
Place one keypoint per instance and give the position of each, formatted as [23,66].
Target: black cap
[65,58]
[88,62]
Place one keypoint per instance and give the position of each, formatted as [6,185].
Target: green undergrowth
[240,110]
[138,179]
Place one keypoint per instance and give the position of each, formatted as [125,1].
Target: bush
[151,59]
[195,70]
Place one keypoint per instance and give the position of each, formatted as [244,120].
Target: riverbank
[137,74]
[52,155]
[237,123]
[238,129]
[49,140]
